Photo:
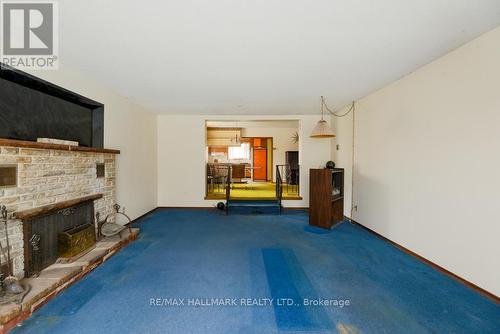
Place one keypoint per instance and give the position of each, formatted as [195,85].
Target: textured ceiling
[260,56]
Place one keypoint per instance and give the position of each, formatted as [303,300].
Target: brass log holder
[75,242]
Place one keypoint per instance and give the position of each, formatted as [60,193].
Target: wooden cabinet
[326,197]
[223,137]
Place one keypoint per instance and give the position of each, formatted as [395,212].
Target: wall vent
[100,170]
[8,176]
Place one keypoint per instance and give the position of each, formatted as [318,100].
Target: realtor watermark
[248,302]
[29,35]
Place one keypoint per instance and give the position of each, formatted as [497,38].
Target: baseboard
[187,207]
[465,282]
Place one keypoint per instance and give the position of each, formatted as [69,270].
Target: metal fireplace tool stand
[11,289]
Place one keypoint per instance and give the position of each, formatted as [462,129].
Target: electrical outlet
[338,147]
[355,208]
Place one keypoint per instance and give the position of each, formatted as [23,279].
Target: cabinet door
[260,142]
[337,211]
[223,137]
[320,195]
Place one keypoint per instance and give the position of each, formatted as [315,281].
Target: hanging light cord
[352,108]
[325,106]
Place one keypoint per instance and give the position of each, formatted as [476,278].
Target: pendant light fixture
[322,129]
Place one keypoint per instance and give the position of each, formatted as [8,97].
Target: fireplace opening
[67,232]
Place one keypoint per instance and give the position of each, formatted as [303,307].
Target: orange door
[260,164]
[257,142]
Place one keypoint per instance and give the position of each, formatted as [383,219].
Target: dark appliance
[292,163]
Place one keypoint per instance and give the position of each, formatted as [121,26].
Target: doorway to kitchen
[247,160]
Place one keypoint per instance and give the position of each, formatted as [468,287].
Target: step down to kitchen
[253,207]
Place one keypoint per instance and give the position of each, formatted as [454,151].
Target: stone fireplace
[47,175]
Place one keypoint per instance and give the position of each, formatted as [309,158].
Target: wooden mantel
[31,213]
[47,146]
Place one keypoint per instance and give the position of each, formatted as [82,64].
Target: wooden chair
[210,177]
[237,173]
[216,176]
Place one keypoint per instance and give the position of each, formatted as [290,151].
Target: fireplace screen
[41,234]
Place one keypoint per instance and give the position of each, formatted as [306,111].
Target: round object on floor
[220,206]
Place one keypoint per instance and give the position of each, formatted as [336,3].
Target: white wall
[427,161]
[183,137]
[127,127]
[282,141]
[342,153]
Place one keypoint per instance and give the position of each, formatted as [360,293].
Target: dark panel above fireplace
[32,108]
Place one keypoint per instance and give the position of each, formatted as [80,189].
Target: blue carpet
[210,262]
